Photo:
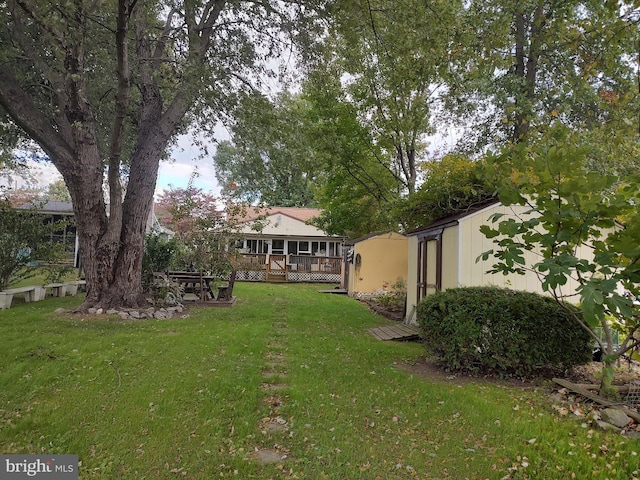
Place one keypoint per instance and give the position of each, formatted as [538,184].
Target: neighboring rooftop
[301,214]
[51,206]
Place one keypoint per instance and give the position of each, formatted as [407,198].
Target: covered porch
[266,267]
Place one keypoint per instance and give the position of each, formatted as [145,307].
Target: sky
[185,160]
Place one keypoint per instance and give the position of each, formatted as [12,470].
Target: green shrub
[505,332]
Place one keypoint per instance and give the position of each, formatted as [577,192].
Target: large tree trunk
[167,72]
[111,247]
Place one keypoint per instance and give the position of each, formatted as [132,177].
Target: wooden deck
[400,331]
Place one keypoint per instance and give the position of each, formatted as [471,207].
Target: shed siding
[450,257]
[462,245]
[412,276]
[383,262]
[474,243]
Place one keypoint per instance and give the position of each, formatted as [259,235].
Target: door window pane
[277,247]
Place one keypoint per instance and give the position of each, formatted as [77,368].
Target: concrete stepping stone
[272,374]
[267,456]
[274,386]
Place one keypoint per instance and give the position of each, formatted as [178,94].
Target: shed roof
[454,219]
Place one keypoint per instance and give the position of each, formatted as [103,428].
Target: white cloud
[188,159]
[39,175]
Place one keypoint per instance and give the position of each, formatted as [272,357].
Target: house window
[277,247]
[303,248]
[257,246]
[319,249]
[292,248]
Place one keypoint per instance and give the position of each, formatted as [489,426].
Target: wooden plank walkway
[400,331]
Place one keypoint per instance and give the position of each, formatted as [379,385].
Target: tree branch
[27,116]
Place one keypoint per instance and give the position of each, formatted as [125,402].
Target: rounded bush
[485,330]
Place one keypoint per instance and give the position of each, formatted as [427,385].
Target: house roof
[254,213]
[454,219]
[51,206]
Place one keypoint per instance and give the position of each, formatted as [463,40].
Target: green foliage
[396,298]
[452,185]
[58,191]
[159,253]
[24,240]
[355,190]
[572,223]
[393,57]
[491,330]
[269,159]
[201,232]
[539,63]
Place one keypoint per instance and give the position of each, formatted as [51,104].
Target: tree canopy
[532,63]
[268,159]
[103,88]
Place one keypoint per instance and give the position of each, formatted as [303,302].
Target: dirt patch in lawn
[391,312]
[429,368]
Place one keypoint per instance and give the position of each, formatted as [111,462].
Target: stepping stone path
[274,375]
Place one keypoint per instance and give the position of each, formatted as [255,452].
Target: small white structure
[444,255]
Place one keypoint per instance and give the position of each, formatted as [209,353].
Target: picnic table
[196,283]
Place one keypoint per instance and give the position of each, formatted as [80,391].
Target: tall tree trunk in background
[528,32]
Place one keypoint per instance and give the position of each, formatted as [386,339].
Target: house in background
[279,244]
[54,212]
[443,255]
[377,262]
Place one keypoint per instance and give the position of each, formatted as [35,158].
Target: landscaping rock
[607,426]
[59,311]
[615,417]
[632,434]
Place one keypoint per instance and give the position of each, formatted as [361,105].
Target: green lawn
[186,398]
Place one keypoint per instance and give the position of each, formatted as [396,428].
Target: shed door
[429,266]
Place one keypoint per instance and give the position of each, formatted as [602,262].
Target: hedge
[489,330]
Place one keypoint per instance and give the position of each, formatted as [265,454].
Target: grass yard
[286,371]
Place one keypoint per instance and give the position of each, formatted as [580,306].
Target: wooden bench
[225,292]
[31,294]
[63,289]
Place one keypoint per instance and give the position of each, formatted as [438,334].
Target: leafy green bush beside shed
[505,332]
